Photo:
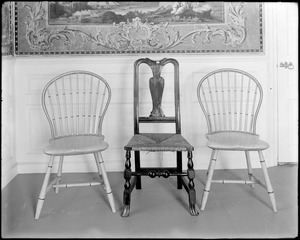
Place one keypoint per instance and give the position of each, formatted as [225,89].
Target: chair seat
[232,140]
[158,142]
[75,145]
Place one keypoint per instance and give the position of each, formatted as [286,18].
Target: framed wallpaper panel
[46,28]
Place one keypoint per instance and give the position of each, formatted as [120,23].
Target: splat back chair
[75,104]
[157,142]
[230,100]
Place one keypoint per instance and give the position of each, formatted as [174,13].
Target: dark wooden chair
[157,142]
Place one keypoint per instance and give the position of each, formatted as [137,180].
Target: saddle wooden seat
[235,141]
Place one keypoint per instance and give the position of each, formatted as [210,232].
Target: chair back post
[232,102]
[136,98]
[43,97]
[61,103]
[259,103]
[176,93]
[106,103]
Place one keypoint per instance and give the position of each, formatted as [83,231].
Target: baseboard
[88,165]
[8,172]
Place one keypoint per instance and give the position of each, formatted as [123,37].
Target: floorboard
[158,210]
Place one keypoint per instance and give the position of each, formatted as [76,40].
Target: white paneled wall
[32,131]
[8,147]
[32,74]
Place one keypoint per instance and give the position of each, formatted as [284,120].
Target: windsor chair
[157,141]
[75,104]
[230,100]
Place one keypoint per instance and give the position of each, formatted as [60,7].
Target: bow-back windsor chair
[157,141]
[230,100]
[75,104]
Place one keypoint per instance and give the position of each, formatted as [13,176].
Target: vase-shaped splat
[156,84]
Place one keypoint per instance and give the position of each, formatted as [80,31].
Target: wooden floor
[159,210]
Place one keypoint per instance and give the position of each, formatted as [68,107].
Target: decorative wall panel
[138,27]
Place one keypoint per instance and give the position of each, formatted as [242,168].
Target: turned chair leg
[127,186]
[179,169]
[137,169]
[44,189]
[249,167]
[192,191]
[59,172]
[267,179]
[106,182]
[100,173]
[211,169]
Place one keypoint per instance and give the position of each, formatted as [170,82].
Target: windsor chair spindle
[75,104]
[230,100]
[157,141]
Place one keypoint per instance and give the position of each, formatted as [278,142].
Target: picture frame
[47,28]
[7,35]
